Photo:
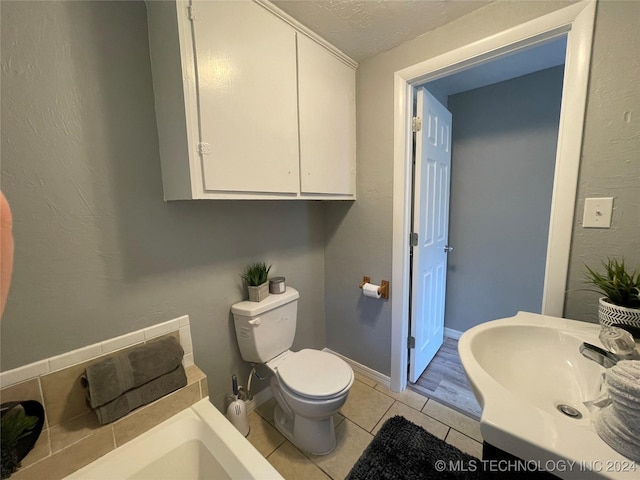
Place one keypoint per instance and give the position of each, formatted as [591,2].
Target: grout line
[318,466]
[346,419]
[448,432]
[277,446]
[284,440]
[404,403]
[462,433]
[380,419]
[44,406]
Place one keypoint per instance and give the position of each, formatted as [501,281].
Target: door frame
[577,22]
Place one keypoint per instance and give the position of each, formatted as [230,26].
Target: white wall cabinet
[249,104]
[326,90]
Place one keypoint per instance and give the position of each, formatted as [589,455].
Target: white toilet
[309,386]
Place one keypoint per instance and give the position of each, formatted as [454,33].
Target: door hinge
[411,342]
[416,124]
[190,13]
[204,148]
[413,239]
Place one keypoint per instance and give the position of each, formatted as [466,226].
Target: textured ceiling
[362,29]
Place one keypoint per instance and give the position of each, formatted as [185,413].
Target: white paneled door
[431,223]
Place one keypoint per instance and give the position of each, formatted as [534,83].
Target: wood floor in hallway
[445,380]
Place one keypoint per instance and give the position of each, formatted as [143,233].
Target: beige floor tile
[467,425]
[337,420]
[293,465]
[351,442]
[464,443]
[263,436]
[364,379]
[365,405]
[434,427]
[408,397]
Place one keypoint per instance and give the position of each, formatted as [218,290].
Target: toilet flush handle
[255,322]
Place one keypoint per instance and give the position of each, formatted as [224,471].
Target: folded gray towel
[110,378]
[619,423]
[623,382]
[141,395]
[617,434]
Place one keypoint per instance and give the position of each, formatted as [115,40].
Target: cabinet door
[327,121]
[246,70]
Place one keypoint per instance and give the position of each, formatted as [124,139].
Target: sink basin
[522,369]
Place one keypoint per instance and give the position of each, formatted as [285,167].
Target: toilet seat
[315,374]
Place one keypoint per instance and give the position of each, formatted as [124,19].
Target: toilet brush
[237,411]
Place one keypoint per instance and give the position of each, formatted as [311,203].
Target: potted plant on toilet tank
[620,304]
[256,278]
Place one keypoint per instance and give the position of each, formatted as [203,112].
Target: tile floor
[367,407]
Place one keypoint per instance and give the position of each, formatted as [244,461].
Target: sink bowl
[524,371]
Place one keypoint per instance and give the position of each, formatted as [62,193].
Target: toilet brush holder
[237,415]
[237,411]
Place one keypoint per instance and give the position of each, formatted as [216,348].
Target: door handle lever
[448,249]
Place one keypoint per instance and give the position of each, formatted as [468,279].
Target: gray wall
[359,238]
[503,158]
[98,252]
[610,165]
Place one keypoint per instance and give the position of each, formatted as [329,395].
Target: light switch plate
[597,212]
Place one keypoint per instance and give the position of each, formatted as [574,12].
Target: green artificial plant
[619,285]
[256,274]
[15,425]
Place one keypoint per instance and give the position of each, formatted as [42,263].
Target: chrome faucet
[599,355]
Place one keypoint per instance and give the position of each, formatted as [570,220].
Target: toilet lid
[315,374]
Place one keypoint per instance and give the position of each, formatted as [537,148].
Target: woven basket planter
[610,314]
[259,293]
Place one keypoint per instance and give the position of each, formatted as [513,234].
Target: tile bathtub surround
[71,436]
[368,406]
[179,326]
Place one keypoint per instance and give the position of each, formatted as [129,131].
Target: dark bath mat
[403,450]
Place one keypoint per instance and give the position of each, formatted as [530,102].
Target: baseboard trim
[451,333]
[363,369]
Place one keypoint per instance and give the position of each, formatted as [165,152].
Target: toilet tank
[266,329]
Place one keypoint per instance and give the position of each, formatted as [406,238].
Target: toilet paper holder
[384,287]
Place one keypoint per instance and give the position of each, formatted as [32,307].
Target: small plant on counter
[619,286]
[620,305]
[256,276]
[15,425]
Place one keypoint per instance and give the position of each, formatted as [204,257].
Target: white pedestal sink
[521,370]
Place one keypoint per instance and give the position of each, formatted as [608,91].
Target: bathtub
[197,443]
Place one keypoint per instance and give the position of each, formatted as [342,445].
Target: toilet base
[317,437]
